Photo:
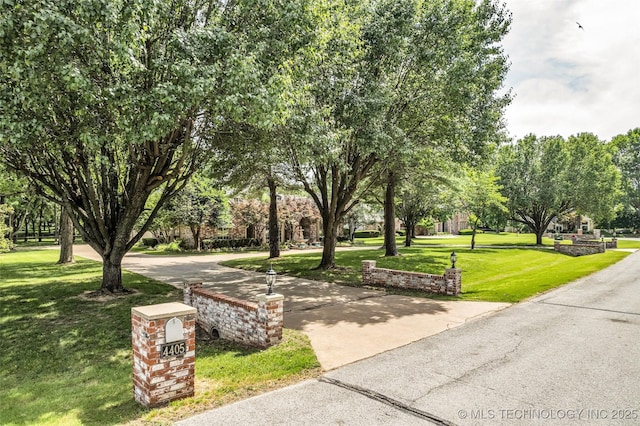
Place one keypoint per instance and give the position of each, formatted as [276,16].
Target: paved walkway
[344,324]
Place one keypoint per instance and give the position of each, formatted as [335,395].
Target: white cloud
[567,80]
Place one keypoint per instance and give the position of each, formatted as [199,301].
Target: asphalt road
[570,356]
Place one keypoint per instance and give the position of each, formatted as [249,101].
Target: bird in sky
[580,26]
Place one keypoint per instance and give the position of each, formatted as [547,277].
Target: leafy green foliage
[545,178]
[105,102]
[386,79]
[198,205]
[626,155]
[5,243]
[481,198]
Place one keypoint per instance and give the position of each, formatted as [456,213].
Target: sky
[566,80]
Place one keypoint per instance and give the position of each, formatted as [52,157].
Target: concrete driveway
[344,324]
[570,356]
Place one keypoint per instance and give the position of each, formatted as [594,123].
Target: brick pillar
[453,281]
[163,340]
[367,271]
[187,290]
[271,317]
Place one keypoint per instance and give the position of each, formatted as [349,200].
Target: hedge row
[366,234]
[231,243]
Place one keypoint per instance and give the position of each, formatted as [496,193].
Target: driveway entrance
[345,324]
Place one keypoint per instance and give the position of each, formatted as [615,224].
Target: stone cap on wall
[270,297]
[163,310]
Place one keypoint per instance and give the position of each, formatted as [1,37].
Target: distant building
[454,225]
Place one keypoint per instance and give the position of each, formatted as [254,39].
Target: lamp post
[270,277]
[453,258]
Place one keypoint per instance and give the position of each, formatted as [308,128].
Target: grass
[482,239]
[490,274]
[504,239]
[629,244]
[66,358]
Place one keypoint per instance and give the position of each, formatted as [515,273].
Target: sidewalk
[344,324]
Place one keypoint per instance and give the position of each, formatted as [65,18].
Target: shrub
[173,246]
[366,234]
[5,243]
[150,242]
[469,231]
[219,243]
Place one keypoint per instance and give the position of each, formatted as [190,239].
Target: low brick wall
[579,249]
[254,324]
[608,244]
[450,283]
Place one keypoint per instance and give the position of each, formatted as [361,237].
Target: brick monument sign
[163,340]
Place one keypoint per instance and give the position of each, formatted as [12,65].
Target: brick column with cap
[453,281]
[271,314]
[163,342]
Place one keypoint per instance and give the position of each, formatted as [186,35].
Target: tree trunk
[196,232]
[329,242]
[408,234]
[66,238]
[112,275]
[539,235]
[274,231]
[390,246]
[473,235]
[40,224]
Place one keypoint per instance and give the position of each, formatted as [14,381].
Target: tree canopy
[106,101]
[481,198]
[626,155]
[389,77]
[547,177]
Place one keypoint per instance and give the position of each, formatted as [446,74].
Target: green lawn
[482,239]
[629,244]
[66,359]
[491,274]
[504,239]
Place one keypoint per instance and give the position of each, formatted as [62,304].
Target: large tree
[419,200]
[198,205]
[444,101]
[481,198]
[532,173]
[392,76]
[548,177]
[626,155]
[104,102]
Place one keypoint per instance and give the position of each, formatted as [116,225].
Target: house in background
[454,225]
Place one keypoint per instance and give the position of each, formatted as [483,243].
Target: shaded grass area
[490,274]
[66,358]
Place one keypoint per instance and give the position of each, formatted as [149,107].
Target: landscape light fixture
[453,258]
[270,277]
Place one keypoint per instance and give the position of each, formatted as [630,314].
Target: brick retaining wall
[608,244]
[450,283]
[255,324]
